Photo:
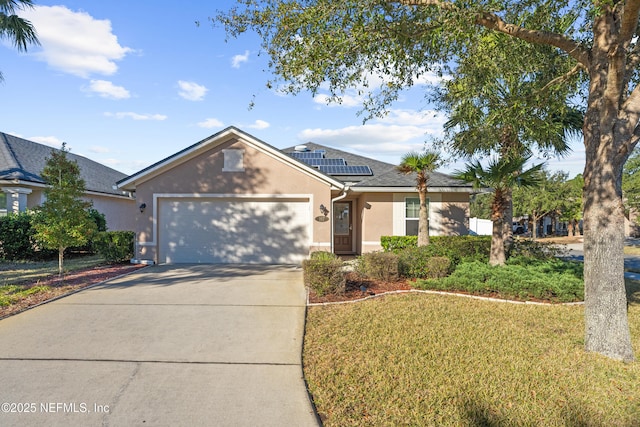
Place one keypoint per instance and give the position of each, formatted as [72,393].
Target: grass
[434,360]
[12,273]
[16,278]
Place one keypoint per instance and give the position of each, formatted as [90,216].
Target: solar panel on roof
[325,162]
[345,170]
[301,155]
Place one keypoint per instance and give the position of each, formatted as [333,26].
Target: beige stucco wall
[203,175]
[376,210]
[120,213]
[383,214]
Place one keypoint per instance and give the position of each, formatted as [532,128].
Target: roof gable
[212,141]
[24,160]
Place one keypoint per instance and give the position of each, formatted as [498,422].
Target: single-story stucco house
[22,187]
[232,198]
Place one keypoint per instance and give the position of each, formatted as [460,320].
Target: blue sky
[128,83]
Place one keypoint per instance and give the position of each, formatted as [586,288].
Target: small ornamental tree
[63,220]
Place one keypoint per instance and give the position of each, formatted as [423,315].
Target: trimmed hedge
[398,243]
[17,241]
[323,273]
[457,248]
[115,246]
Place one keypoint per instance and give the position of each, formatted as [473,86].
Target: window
[411,215]
[233,160]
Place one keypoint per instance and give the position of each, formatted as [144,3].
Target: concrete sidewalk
[166,346]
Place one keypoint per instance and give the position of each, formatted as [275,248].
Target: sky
[129,83]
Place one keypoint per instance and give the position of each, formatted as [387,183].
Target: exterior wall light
[143,207]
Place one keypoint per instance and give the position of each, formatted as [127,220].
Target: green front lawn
[433,360]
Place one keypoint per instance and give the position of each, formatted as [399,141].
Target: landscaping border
[478,297]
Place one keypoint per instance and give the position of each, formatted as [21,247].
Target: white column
[16,198]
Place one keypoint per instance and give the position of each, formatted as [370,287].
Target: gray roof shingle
[384,174]
[23,160]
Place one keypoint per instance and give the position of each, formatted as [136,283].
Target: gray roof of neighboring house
[23,160]
[384,174]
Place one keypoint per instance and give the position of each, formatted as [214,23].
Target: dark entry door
[342,228]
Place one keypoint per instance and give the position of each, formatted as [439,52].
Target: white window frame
[417,218]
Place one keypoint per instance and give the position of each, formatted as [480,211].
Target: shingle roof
[384,174]
[23,160]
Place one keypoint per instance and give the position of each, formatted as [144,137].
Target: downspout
[345,191]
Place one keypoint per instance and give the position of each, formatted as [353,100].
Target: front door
[342,228]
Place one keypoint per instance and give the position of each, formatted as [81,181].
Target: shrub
[397,243]
[438,266]
[534,249]
[115,246]
[456,248]
[378,266]
[16,237]
[553,280]
[17,241]
[323,273]
[412,261]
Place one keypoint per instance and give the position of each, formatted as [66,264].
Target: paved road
[575,251]
[165,346]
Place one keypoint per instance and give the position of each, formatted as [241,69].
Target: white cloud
[191,91]
[99,149]
[136,116]
[210,123]
[385,139]
[51,141]
[347,100]
[106,89]
[237,60]
[259,124]
[75,42]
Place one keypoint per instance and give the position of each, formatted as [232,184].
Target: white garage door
[221,231]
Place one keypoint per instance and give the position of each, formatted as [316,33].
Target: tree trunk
[423,220]
[60,260]
[507,226]
[533,225]
[606,322]
[497,254]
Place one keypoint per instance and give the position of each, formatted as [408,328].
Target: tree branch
[629,22]
[564,77]
[494,22]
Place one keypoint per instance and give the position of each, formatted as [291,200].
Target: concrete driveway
[166,346]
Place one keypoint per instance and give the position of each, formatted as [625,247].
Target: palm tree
[422,164]
[501,175]
[18,30]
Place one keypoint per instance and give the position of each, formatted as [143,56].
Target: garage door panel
[229,231]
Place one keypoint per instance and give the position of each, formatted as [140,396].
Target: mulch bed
[354,290]
[71,282]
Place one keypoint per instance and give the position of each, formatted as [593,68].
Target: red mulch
[353,291]
[71,282]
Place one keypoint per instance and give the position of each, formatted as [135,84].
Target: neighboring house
[22,161]
[232,198]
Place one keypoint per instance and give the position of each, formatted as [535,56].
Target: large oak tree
[341,44]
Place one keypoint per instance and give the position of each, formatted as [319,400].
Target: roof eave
[358,189]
